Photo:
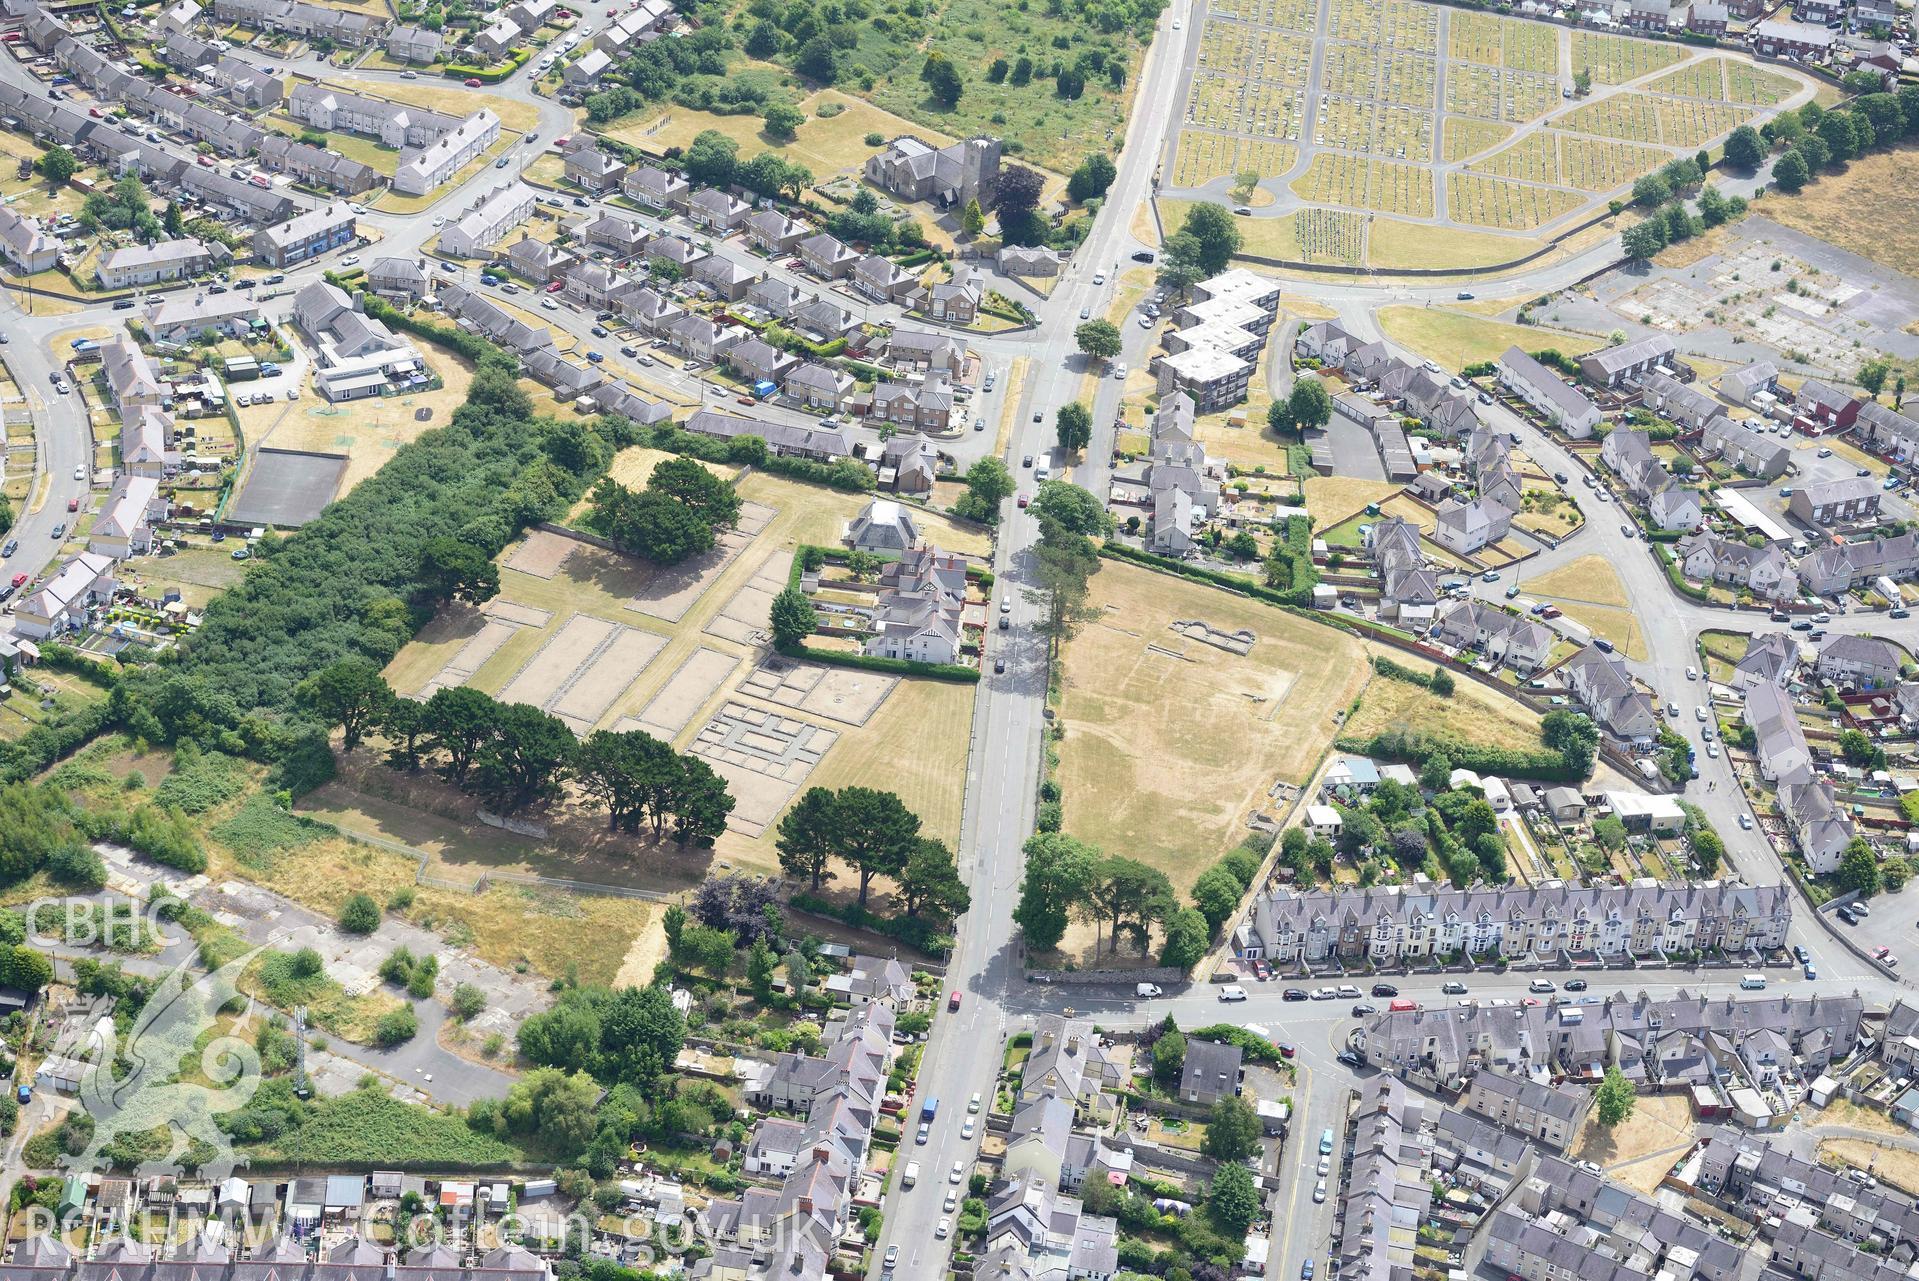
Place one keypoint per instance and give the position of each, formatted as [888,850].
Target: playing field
[1171,742]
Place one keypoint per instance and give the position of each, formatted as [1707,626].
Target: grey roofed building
[1750,451]
[567,379]
[1859,660]
[1741,385]
[1771,659]
[1210,1072]
[1888,430]
[317,166]
[414,44]
[1445,1043]
[1068,1061]
[617,398]
[1562,405]
[1606,691]
[1538,1109]
[540,261]
[1683,403]
[1388,1187]
[1781,748]
[1395,924]
[398,277]
[821,443]
[1837,567]
[1610,366]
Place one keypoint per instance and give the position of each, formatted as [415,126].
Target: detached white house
[124,527]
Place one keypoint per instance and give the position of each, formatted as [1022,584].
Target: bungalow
[567,380]
[823,444]
[1021,260]
[883,526]
[584,73]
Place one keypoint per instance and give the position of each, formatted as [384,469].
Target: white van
[1753,983]
[1043,472]
[912,1173]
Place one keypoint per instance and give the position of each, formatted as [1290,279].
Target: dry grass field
[1473,712]
[1642,1148]
[1896,1166]
[369,432]
[831,146]
[692,642]
[1331,499]
[1591,594]
[1169,741]
[1457,338]
[1865,210]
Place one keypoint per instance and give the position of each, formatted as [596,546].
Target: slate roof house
[1391,925]
[1605,689]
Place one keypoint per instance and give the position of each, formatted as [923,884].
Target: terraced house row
[1388,925]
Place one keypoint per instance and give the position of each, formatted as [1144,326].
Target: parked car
[1293,994]
[1454,988]
[472,82]
[1385,989]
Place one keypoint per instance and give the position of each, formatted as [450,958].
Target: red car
[952,1002]
[1285,1050]
[19,579]
[472,82]
[1024,499]
[96,113]
[555,287]
[73,504]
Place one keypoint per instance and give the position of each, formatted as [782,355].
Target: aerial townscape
[891,640]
